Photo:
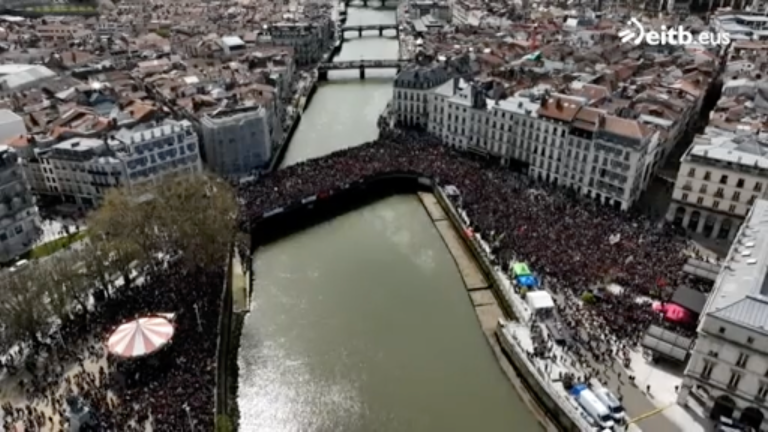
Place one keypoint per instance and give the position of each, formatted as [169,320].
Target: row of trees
[189,217]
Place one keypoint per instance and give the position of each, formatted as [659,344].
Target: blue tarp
[577,389]
[528,281]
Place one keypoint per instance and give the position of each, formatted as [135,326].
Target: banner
[309,199]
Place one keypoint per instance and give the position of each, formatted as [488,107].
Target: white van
[592,406]
[612,403]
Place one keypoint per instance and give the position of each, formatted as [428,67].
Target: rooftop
[740,294]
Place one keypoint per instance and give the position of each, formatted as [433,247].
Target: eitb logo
[636,34]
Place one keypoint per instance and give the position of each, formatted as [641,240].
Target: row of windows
[716,203]
[740,182]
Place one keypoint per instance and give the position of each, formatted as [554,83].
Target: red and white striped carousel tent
[140,337]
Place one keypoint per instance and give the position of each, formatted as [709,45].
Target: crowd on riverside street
[565,239]
[170,389]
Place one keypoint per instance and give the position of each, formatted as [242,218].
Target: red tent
[673,312]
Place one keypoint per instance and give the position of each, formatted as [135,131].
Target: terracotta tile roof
[626,127]
[559,108]
[18,141]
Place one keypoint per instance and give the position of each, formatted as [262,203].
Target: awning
[527,281]
[520,269]
[140,337]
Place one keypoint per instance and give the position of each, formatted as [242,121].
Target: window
[732,208]
[733,383]
[752,199]
[742,360]
[703,189]
[700,200]
[740,183]
[706,371]
[762,391]
[684,197]
[758,187]
[750,340]
[723,179]
[692,172]
[736,196]
[707,176]
[719,192]
[721,330]
[715,204]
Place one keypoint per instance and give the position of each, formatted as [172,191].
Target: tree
[192,215]
[23,309]
[224,423]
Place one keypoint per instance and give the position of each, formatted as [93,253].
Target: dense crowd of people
[169,389]
[576,243]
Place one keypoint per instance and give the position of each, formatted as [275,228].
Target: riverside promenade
[484,302]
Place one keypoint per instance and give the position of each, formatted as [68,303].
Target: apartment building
[81,170]
[728,367]
[19,219]
[309,40]
[237,142]
[720,177]
[555,137]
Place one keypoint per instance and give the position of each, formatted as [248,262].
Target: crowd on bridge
[574,243]
[171,390]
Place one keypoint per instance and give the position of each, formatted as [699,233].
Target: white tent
[539,301]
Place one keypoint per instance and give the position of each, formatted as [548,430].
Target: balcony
[718,194]
[687,187]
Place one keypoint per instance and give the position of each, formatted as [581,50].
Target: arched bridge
[361,28]
[362,65]
[381,2]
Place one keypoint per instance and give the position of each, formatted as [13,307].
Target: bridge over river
[361,28]
[362,65]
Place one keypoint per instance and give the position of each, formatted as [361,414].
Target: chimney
[558,104]
[456,81]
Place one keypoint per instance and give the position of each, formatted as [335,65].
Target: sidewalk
[240,294]
[663,381]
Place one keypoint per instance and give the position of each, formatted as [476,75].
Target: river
[362,323]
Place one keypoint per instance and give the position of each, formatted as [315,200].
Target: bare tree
[190,215]
[23,309]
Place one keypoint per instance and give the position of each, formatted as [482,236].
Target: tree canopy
[187,217]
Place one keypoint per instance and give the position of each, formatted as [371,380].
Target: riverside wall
[311,210]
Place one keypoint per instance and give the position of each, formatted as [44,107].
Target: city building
[80,170]
[557,138]
[11,124]
[310,40]
[239,141]
[720,177]
[728,366]
[19,219]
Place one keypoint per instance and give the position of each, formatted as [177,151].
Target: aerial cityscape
[389,215]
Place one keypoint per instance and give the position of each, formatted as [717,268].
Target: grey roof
[704,270]
[690,299]
[740,294]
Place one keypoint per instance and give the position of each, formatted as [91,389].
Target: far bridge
[368,27]
[382,3]
[361,65]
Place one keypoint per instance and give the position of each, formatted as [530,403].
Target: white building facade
[728,367]
[720,177]
[19,219]
[237,143]
[553,137]
[81,170]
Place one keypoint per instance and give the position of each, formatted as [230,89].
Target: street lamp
[189,418]
[197,314]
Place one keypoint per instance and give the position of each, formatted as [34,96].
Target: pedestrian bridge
[361,65]
[369,27]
